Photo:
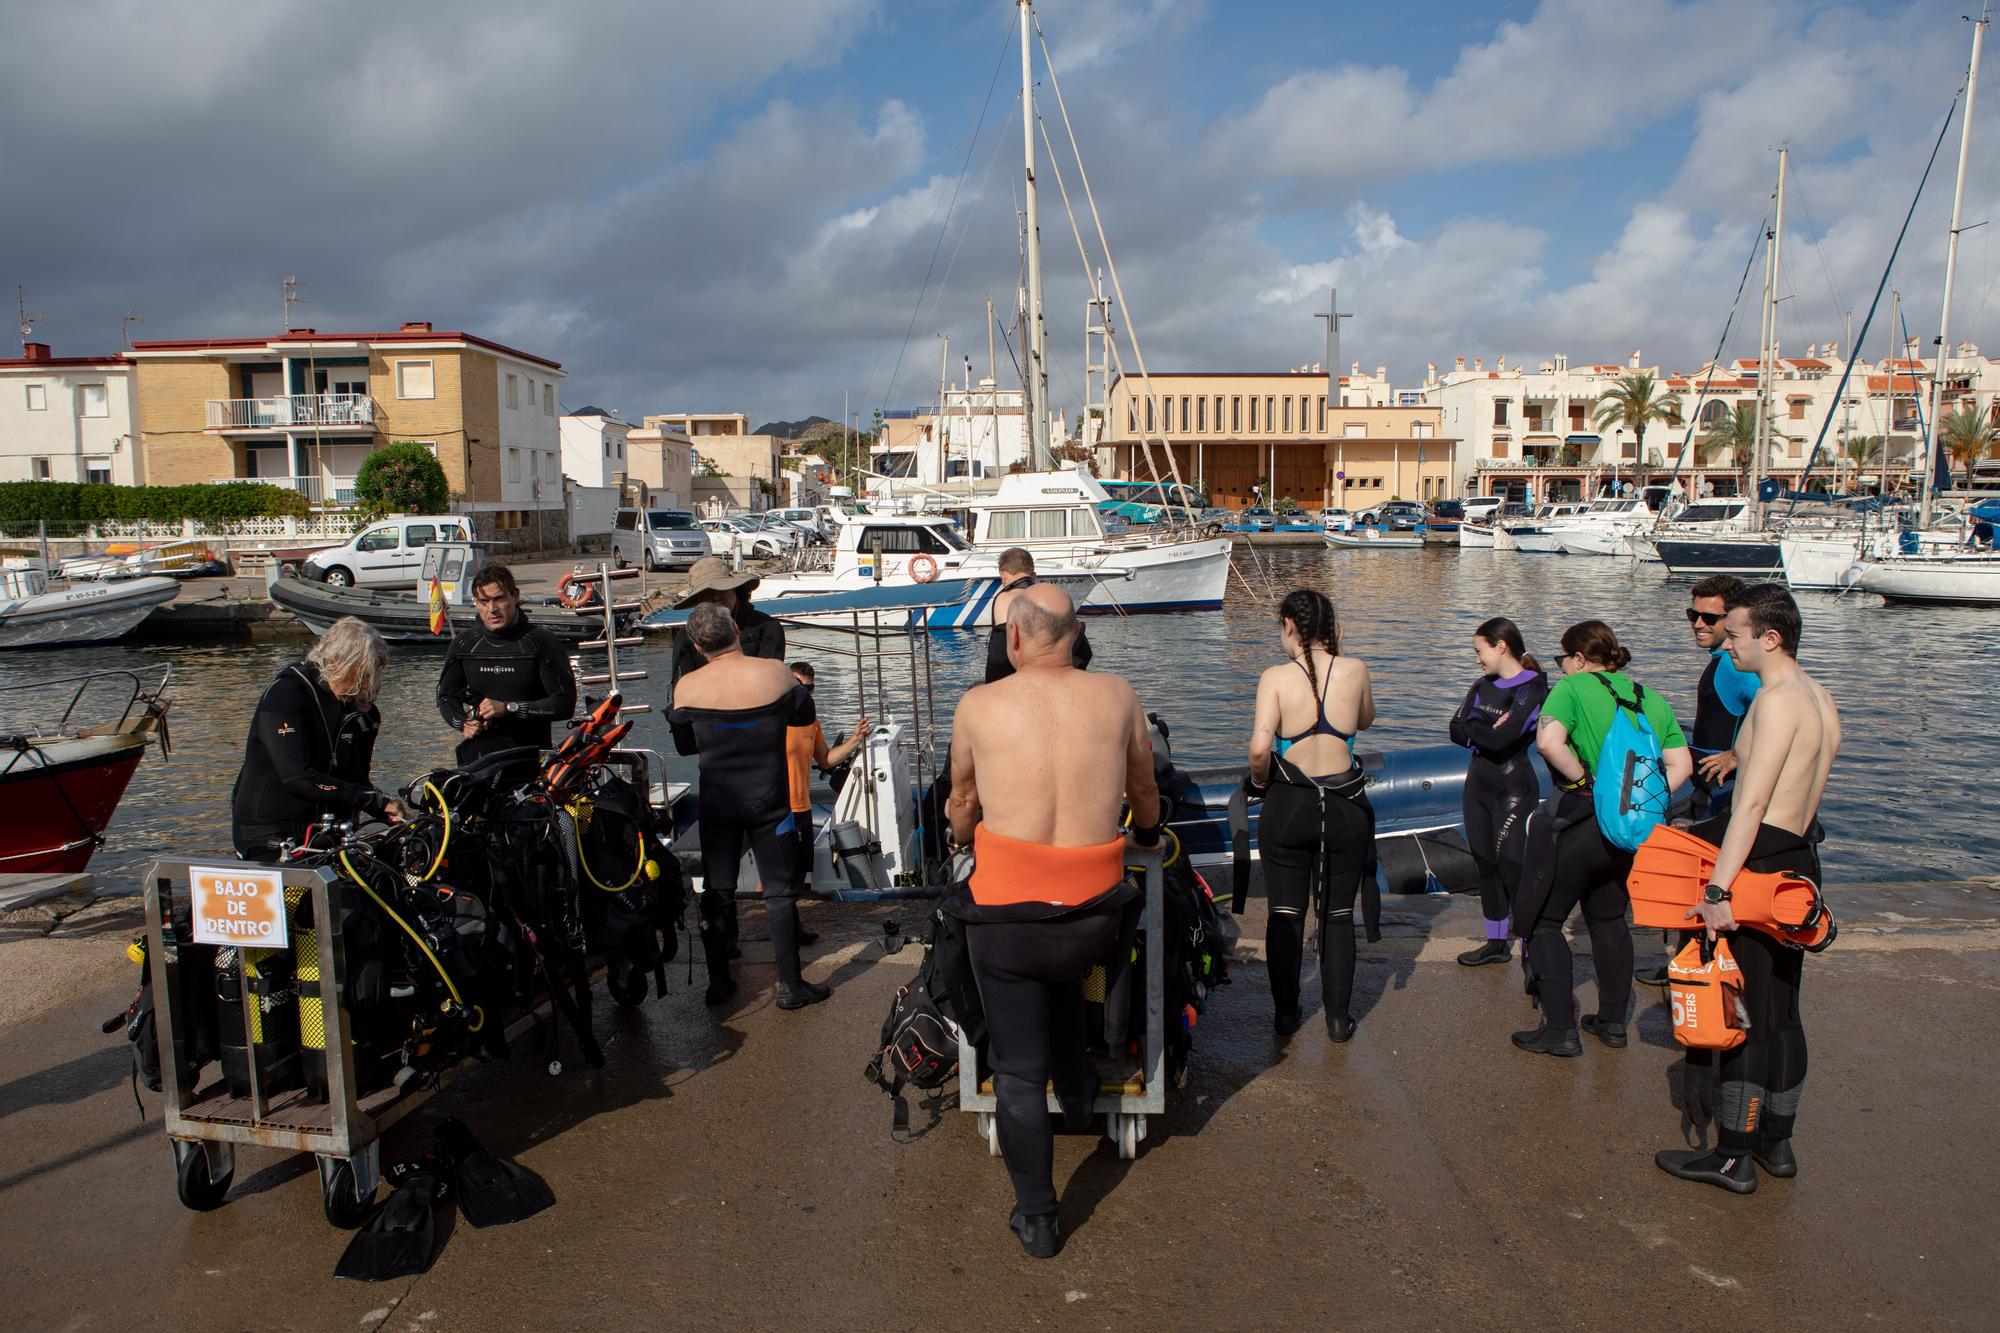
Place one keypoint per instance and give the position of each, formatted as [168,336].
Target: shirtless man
[1785,749]
[1039,763]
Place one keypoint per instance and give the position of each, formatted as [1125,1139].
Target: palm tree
[1633,402]
[1968,436]
[1736,433]
[1862,450]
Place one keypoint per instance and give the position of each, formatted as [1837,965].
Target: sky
[766,205]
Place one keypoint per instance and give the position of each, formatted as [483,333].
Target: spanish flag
[439,621]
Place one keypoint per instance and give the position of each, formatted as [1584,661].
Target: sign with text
[235,905]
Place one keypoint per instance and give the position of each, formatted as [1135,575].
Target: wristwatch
[1715,893]
[513,706]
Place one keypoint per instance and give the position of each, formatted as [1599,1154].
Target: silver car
[657,538]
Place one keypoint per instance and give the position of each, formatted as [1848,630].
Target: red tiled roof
[1812,362]
[304,337]
[1880,384]
[36,363]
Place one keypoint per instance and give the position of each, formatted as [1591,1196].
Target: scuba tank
[257,1013]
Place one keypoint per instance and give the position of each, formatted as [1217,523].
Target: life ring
[922,568]
[574,590]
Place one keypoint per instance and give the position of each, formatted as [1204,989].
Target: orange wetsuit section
[1672,868]
[801,744]
[1007,871]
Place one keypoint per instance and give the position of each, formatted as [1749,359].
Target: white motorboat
[1602,528]
[1476,535]
[1966,578]
[32,615]
[1537,535]
[1375,539]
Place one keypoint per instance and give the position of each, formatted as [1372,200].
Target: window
[1235,415]
[607,446]
[1354,430]
[1420,430]
[419,534]
[1499,411]
[1218,412]
[514,391]
[1045,523]
[548,400]
[1149,415]
[41,469]
[91,401]
[1253,415]
[1270,411]
[1083,523]
[513,465]
[1166,414]
[97,471]
[414,380]
[1322,414]
[1288,414]
[903,541]
[376,539]
[1201,413]
[38,398]
[1131,416]
[1008,525]
[1186,424]
[1798,406]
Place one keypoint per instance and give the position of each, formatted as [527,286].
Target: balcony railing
[313,488]
[289,411]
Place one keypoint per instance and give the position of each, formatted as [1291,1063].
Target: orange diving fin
[1672,867]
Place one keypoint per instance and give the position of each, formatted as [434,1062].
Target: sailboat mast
[1767,365]
[1037,378]
[1950,271]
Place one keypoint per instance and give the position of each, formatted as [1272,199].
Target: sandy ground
[731,1169]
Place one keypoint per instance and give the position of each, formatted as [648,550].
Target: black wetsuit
[1569,861]
[1714,730]
[308,754]
[999,666]
[746,796]
[1313,833]
[759,635]
[522,664]
[1760,1080]
[1497,723]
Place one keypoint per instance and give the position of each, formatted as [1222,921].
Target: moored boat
[1375,539]
[32,615]
[401,617]
[69,759]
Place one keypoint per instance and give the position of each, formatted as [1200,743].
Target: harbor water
[1904,805]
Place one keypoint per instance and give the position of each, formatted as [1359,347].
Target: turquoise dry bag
[1629,787]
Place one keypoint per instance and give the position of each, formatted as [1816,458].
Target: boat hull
[404,617]
[1544,542]
[1951,581]
[1695,556]
[88,613]
[1475,536]
[1373,539]
[59,796]
[1593,541]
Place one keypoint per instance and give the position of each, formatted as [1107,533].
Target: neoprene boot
[1775,1156]
[1493,951]
[1286,1022]
[1735,1173]
[1339,1027]
[1546,1040]
[800,994]
[1611,1034]
[1040,1236]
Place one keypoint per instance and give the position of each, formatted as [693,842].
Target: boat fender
[922,568]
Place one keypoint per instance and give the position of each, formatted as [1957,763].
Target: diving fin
[491,1190]
[401,1240]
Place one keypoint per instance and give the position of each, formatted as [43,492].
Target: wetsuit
[523,665]
[1721,700]
[999,666]
[760,636]
[308,754]
[746,797]
[1497,723]
[1760,1080]
[1314,833]
[1029,955]
[802,746]
[1569,861]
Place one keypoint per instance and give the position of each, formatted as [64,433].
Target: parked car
[806,520]
[657,538]
[1256,516]
[389,554]
[774,521]
[1449,511]
[1336,519]
[736,536]
[1397,515]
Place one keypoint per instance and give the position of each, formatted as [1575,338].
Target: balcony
[315,489]
[293,411]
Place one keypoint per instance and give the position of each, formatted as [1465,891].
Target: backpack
[1629,785]
[919,1041]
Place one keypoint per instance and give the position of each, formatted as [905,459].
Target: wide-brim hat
[712,573]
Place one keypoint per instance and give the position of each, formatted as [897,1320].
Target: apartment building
[723,440]
[595,446]
[1250,436]
[68,419]
[981,433]
[662,458]
[304,408]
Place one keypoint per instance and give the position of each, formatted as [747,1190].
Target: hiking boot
[801,995]
[1493,951]
[719,989]
[1652,976]
[1735,1173]
[1776,1159]
[1611,1034]
[1040,1236]
[1546,1040]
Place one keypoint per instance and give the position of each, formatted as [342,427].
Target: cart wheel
[626,983]
[555,1068]
[989,1129]
[199,1187]
[1124,1130]
[337,1196]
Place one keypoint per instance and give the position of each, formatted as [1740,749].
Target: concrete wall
[728,494]
[59,432]
[591,509]
[594,449]
[173,398]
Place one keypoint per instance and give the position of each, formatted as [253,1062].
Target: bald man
[1041,764]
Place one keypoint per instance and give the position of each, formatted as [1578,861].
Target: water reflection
[1904,803]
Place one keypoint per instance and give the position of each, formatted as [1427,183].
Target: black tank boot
[1549,1040]
[1493,951]
[1733,1172]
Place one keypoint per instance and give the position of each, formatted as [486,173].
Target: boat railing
[132,684]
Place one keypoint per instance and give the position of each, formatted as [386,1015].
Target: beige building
[663,458]
[724,442]
[1245,436]
[303,409]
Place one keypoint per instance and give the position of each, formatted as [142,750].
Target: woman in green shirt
[1570,862]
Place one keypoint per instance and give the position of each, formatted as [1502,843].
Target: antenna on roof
[127,322]
[291,299]
[28,321]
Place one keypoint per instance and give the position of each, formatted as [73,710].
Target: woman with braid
[1317,826]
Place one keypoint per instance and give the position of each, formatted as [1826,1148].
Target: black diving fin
[491,1191]
[401,1240]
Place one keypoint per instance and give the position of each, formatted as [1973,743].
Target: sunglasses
[1708,618]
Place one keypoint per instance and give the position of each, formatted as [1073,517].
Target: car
[1336,519]
[808,521]
[657,538]
[1448,510]
[1256,516]
[739,537]
[769,521]
[1397,515]
[389,554]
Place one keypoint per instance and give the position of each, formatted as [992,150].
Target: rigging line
[1840,390]
[1916,390]
[1111,265]
[994,82]
[1819,248]
[944,283]
[1694,416]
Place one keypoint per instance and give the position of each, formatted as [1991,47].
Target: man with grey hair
[734,711]
[1041,763]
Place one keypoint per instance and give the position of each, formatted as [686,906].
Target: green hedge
[26,501]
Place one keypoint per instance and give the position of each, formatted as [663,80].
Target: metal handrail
[84,680]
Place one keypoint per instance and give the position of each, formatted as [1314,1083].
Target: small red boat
[61,775]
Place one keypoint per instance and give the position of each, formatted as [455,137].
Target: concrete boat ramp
[731,1169]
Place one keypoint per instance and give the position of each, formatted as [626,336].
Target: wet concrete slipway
[731,1169]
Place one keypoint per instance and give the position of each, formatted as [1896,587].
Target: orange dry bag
[1706,992]
[1673,866]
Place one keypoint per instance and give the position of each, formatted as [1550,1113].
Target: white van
[657,538]
[389,554]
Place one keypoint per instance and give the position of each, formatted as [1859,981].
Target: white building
[68,419]
[594,446]
[983,433]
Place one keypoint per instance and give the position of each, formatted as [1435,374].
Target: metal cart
[1128,1093]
